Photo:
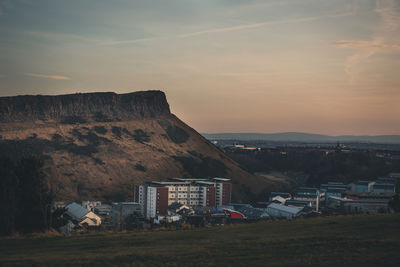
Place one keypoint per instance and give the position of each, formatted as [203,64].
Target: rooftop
[189,179]
[205,182]
[221,179]
[76,210]
[169,183]
[293,210]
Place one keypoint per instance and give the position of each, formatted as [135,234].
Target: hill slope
[99,145]
[358,240]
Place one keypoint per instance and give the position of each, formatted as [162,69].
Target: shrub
[177,134]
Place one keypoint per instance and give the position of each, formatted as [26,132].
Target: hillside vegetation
[99,145]
[362,240]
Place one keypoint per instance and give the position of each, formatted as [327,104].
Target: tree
[25,196]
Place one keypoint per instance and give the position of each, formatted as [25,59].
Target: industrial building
[361,203]
[155,197]
[337,189]
[281,211]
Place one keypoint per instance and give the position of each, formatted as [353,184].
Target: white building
[155,197]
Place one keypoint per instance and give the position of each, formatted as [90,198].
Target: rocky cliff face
[81,108]
[97,146]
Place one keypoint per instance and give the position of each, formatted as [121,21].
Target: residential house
[81,215]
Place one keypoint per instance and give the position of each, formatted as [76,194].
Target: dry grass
[360,240]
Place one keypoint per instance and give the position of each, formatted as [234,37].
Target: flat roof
[363,182]
[221,179]
[189,179]
[297,201]
[205,182]
[169,183]
[307,188]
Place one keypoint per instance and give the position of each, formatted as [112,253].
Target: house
[283,195]
[81,215]
[281,211]
[279,199]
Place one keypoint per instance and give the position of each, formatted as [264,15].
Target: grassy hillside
[102,153]
[330,241]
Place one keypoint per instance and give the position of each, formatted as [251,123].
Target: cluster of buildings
[93,214]
[155,197]
[357,197]
[208,200]
[154,201]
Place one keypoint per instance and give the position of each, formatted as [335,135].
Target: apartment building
[155,197]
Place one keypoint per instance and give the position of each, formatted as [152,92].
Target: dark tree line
[25,196]
[319,166]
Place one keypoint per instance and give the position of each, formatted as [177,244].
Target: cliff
[81,108]
[98,145]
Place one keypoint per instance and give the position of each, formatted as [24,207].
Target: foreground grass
[329,241]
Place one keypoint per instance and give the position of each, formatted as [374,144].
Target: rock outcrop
[98,145]
[80,108]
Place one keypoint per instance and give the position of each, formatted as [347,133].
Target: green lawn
[325,241]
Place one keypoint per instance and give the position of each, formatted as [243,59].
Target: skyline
[327,67]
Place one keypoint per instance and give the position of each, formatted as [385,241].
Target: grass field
[362,240]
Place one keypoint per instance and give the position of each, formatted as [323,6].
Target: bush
[177,134]
[100,129]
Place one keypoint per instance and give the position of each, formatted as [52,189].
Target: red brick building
[155,197]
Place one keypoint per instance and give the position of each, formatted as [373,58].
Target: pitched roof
[76,211]
[290,209]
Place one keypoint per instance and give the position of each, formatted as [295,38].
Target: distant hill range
[98,145]
[305,138]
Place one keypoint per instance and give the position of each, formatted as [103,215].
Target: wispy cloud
[230,29]
[388,27]
[261,24]
[367,45]
[133,41]
[46,76]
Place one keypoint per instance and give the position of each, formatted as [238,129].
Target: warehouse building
[281,211]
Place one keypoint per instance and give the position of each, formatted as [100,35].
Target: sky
[317,66]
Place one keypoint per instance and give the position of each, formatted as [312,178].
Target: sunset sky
[318,66]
